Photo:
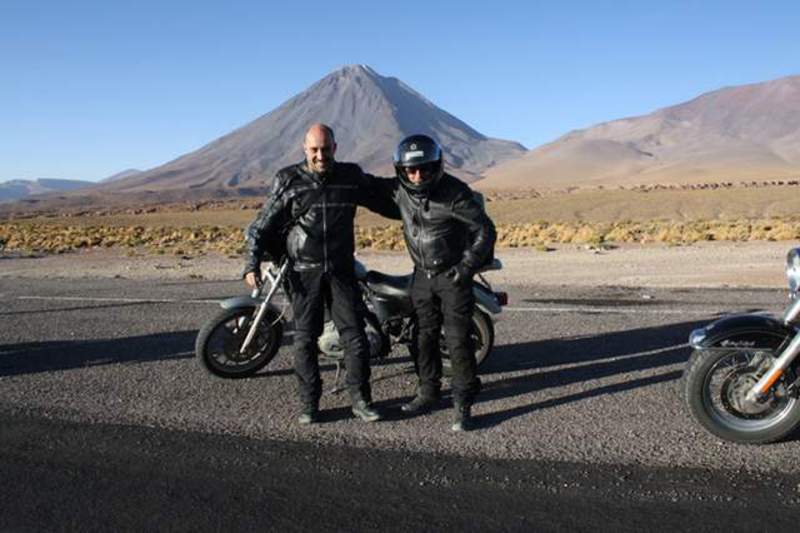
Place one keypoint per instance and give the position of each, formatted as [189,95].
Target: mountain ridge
[738,133]
[18,189]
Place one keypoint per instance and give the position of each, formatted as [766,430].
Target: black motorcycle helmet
[422,152]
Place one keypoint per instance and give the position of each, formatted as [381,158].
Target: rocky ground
[712,264]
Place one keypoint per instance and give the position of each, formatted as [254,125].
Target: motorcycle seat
[394,286]
[495,264]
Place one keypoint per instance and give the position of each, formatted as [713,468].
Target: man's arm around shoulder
[378,195]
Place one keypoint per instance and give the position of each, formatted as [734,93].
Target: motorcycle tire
[482,336]
[717,411]
[219,340]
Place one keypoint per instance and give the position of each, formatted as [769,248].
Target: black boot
[419,404]
[310,415]
[364,410]
[462,417]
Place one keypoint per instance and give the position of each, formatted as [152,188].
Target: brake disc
[734,393]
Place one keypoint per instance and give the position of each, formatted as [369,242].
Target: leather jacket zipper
[324,234]
[419,239]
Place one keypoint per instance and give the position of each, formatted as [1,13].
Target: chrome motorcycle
[741,382]
[246,335]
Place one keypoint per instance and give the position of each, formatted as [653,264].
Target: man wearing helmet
[316,202]
[449,236]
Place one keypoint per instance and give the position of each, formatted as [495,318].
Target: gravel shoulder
[713,264]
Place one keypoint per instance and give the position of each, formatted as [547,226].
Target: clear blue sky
[88,89]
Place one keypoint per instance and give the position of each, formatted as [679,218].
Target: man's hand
[460,274]
[253,279]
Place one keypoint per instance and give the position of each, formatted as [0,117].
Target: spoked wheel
[219,342]
[715,388]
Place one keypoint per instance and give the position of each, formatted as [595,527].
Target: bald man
[320,246]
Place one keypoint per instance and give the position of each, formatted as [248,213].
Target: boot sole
[367,418]
[422,409]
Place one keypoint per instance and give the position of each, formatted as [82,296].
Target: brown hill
[744,133]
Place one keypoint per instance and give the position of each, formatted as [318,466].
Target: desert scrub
[50,238]
[380,238]
[230,241]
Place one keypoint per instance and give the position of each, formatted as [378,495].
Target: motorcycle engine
[331,346]
[329,343]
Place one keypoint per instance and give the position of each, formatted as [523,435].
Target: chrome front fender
[760,332]
[240,301]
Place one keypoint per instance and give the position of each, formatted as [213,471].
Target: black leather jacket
[445,226]
[322,239]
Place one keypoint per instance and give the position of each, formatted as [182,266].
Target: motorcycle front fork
[275,281]
[760,390]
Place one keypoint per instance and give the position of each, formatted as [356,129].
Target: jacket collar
[316,178]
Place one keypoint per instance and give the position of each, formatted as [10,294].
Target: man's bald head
[320,130]
[319,147]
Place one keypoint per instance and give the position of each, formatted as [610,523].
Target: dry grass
[607,206]
[54,238]
[597,218]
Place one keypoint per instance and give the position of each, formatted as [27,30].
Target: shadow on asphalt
[74,308]
[587,348]
[597,356]
[36,357]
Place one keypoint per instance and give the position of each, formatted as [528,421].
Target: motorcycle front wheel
[715,384]
[220,339]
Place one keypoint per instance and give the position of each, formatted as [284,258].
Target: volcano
[369,113]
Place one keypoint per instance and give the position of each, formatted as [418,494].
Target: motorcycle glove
[460,274]
[256,272]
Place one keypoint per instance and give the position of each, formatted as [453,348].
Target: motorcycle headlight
[793,269]
[697,337]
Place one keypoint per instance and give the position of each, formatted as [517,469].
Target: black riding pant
[439,302]
[311,290]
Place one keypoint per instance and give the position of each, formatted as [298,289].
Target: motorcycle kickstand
[337,385]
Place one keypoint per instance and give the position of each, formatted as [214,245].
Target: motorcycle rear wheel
[219,340]
[482,332]
[714,385]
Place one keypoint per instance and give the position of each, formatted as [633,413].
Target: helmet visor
[417,174]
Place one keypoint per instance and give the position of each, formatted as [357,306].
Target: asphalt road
[106,421]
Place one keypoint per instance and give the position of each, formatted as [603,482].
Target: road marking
[119,300]
[576,309]
[617,358]
[618,310]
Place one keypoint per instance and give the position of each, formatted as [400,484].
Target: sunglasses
[428,169]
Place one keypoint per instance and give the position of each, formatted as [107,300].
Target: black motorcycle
[742,381]
[246,335]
